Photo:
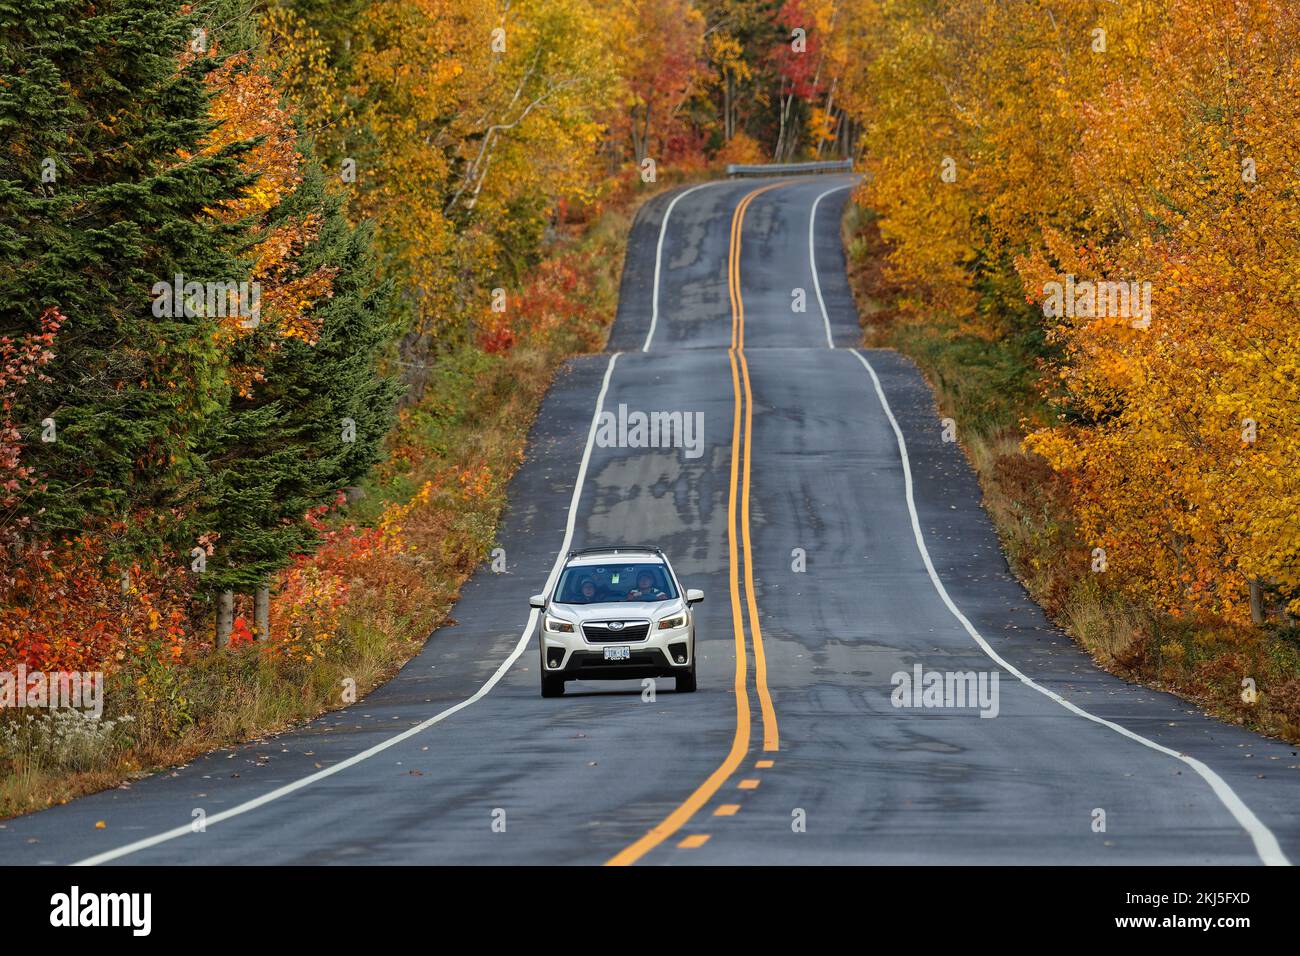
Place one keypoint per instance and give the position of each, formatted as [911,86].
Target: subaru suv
[617,613]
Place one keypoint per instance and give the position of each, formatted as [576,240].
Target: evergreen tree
[316,421]
[103,194]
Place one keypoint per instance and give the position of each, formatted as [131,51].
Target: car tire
[552,686]
[686,680]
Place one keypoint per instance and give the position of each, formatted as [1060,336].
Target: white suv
[617,613]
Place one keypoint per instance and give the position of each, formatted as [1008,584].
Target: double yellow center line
[771,734]
[742,425]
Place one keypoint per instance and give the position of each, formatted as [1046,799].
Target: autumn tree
[466,124]
[1017,148]
[1183,434]
[738,38]
[797,59]
[660,51]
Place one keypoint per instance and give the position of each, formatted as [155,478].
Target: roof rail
[615,549]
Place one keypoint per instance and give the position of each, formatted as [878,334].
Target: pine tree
[314,423]
[103,194]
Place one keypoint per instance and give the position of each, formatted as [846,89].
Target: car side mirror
[694,595]
[537,601]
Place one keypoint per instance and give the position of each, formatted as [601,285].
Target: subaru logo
[615,625]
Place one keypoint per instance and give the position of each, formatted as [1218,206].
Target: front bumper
[659,654]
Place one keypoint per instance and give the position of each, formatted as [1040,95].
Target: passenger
[645,589]
[592,593]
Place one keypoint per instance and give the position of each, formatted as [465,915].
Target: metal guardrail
[790,169]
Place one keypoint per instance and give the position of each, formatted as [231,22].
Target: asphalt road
[824,507]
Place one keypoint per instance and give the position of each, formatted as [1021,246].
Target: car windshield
[599,584]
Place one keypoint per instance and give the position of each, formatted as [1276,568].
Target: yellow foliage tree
[1067,151]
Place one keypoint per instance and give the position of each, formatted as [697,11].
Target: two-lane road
[839,541]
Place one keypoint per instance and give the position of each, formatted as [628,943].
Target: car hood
[617,610]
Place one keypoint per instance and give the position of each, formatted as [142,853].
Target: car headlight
[677,620]
[556,626]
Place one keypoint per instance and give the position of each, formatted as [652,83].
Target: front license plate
[622,653]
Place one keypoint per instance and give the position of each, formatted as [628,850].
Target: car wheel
[552,686]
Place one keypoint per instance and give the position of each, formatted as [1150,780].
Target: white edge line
[355,759]
[812,259]
[659,255]
[1266,844]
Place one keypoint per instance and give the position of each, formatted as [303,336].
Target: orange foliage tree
[1089,158]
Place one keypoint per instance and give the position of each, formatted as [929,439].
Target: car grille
[600,631]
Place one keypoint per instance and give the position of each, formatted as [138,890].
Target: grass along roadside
[989,387]
[391,565]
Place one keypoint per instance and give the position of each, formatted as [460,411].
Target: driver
[645,589]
